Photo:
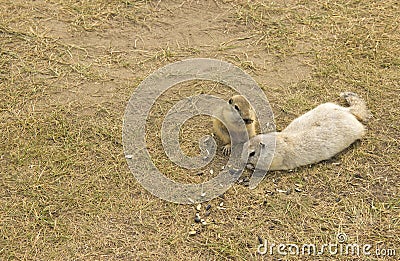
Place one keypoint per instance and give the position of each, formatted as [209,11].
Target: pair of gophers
[317,135]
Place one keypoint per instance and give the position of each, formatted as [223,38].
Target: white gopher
[242,106]
[315,136]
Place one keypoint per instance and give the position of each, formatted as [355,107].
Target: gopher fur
[241,105]
[315,136]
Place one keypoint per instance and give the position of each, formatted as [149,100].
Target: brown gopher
[314,136]
[242,106]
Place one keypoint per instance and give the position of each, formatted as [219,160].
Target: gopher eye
[230,101]
[236,107]
[248,121]
[252,154]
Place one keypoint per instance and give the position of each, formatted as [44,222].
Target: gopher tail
[358,107]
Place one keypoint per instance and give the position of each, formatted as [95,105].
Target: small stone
[192,232]
[198,207]
[197,219]
[233,171]
[208,207]
[221,204]
[276,221]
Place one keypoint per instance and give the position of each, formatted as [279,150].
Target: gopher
[242,106]
[315,136]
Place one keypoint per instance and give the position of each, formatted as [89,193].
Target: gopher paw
[226,150]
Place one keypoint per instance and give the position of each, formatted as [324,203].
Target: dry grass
[67,69]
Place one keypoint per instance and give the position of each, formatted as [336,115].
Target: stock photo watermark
[341,248]
[145,96]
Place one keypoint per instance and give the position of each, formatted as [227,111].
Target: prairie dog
[241,105]
[317,135]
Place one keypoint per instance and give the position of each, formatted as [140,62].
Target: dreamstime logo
[143,99]
[341,237]
[339,248]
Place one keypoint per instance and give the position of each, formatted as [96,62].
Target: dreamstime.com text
[355,249]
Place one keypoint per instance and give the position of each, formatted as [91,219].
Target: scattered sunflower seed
[358,176]
[260,240]
[208,207]
[197,219]
[129,156]
[271,227]
[192,232]
[298,190]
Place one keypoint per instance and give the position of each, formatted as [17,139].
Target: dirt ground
[68,69]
